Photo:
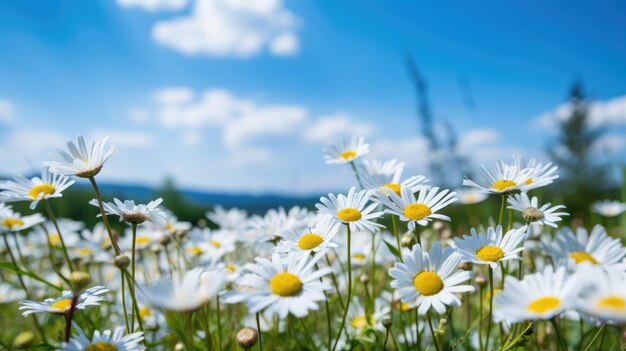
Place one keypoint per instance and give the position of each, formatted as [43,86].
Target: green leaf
[394,250]
[12,268]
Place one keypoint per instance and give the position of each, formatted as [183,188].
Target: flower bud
[407,240]
[480,280]
[466,266]
[365,278]
[179,346]
[122,262]
[387,323]
[165,240]
[24,340]
[247,337]
[79,281]
[532,214]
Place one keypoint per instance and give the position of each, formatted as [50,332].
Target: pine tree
[584,177]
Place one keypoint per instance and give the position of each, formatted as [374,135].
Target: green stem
[345,311]
[219,322]
[559,335]
[356,174]
[395,232]
[593,340]
[335,283]
[130,282]
[432,330]
[258,327]
[481,318]
[328,322]
[124,305]
[418,336]
[56,226]
[490,307]
[104,216]
[132,264]
[502,205]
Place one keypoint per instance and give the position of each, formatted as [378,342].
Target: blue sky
[243,95]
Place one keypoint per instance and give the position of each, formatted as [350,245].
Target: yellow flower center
[45,189]
[503,184]
[12,222]
[231,267]
[405,306]
[310,241]
[496,291]
[216,243]
[490,253]
[417,212]
[349,214]
[613,302]
[170,227]
[359,322]
[581,256]
[393,186]
[85,252]
[285,284]
[529,181]
[55,239]
[428,283]
[62,305]
[195,250]
[145,312]
[358,257]
[544,304]
[348,155]
[101,346]
[143,240]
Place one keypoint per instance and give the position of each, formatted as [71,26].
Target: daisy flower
[232,219]
[393,182]
[420,210]
[62,304]
[267,228]
[352,210]
[304,239]
[212,244]
[106,341]
[604,295]
[571,249]
[282,287]
[186,292]
[79,161]
[491,247]
[507,179]
[346,151]
[608,208]
[131,213]
[430,279]
[358,320]
[541,295]
[470,196]
[376,167]
[11,221]
[536,169]
[35,189]
[532,212]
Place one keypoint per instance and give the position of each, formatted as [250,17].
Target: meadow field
[385,265]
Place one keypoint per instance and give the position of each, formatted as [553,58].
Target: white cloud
[154,5]
[285,44]
[191,137]
[333,126]
[215,106]
[608,112]
[249,156]
[173,95]
[123,138]
[240,28]
[413,151]
[33,141]
[138,115]
[611,143]
[6,112]
[270,120]
[478,137]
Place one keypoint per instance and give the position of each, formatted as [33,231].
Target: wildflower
[79,161]
[470,196]
[291,286]
[105,340]
[532,212]
[131,213]
[185,292]
[304,239]
[352,210]
[491,247]
[541,295]
[346,151]
[11,221]
[572,249]
[430,279]
[62,304]
[393,182]
[608,208]
[34,189]
[507,179]
[418,211]
[232,219]
[376,167]
[604,294]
